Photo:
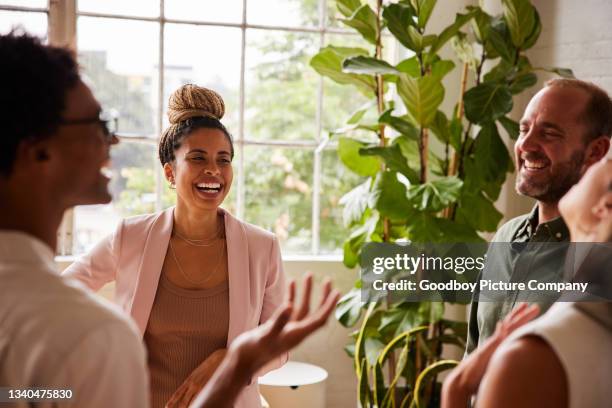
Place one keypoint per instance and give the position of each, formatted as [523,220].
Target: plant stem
[423,150]
[464,76]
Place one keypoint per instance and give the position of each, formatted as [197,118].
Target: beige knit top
[185,327]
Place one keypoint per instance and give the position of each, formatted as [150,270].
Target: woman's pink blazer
[133,257]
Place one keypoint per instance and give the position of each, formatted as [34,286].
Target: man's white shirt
[54,334]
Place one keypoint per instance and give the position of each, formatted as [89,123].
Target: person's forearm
[225,385]
[454,392]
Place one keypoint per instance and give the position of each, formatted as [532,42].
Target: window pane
[281,88]
[120,59]
[226,11]
[285,13]
[140,8]
[278,198]
[336,180]
[215,64]
[24,3]
[33,23]
[133,190]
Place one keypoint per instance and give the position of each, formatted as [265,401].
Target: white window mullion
[240,193]
[159,177]
[316,188]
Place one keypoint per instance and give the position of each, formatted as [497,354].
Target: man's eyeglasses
[108,123]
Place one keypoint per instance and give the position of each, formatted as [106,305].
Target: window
[28,14]
[287,178]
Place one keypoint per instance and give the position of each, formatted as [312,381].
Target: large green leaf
[328,62]
[501,72]
[422,97]
[355,202]
[450,31]
[399,17]
[363,20]
[522,82]
[521,19]
[400,124]
[440,127]
[499,42]
[512,127]
[348,151]
[348,309]
[480,24]
[423,8]
[486,167]
[535,34]
[410,66]
[392,201]
[347,7]
[367,65]
[479,212]
[442,67]
[436,195]
[487,102]
[394,159]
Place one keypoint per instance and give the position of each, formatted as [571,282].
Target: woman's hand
[183,396]
[464,380]
[290,325]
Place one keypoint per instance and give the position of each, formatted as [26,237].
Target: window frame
[62,31]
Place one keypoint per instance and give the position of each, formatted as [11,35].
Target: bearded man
[565,129]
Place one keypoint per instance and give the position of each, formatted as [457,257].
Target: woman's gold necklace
[202,242]
[207,278]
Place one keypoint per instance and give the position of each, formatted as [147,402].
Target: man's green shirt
[525,228]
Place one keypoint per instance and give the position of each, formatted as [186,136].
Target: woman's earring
[172,185]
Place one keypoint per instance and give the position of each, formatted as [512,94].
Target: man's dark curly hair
[34,80]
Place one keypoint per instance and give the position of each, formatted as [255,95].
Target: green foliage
[328,62]
[422,97]
[487,101]
[348,151]
[416,190]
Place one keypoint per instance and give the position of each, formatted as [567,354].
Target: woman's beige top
[185,327]
[580,334]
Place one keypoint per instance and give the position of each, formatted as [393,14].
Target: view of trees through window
[277,161]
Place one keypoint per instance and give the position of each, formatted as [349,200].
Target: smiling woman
[193,277]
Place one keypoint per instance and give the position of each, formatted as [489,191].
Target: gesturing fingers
[304,305]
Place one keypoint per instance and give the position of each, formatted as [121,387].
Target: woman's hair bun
[191,101]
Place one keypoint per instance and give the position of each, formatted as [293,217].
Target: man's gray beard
[559,184]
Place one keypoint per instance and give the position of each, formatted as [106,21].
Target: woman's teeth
[106,171]
[209,186]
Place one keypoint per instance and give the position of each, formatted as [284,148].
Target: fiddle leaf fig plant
[429,175]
